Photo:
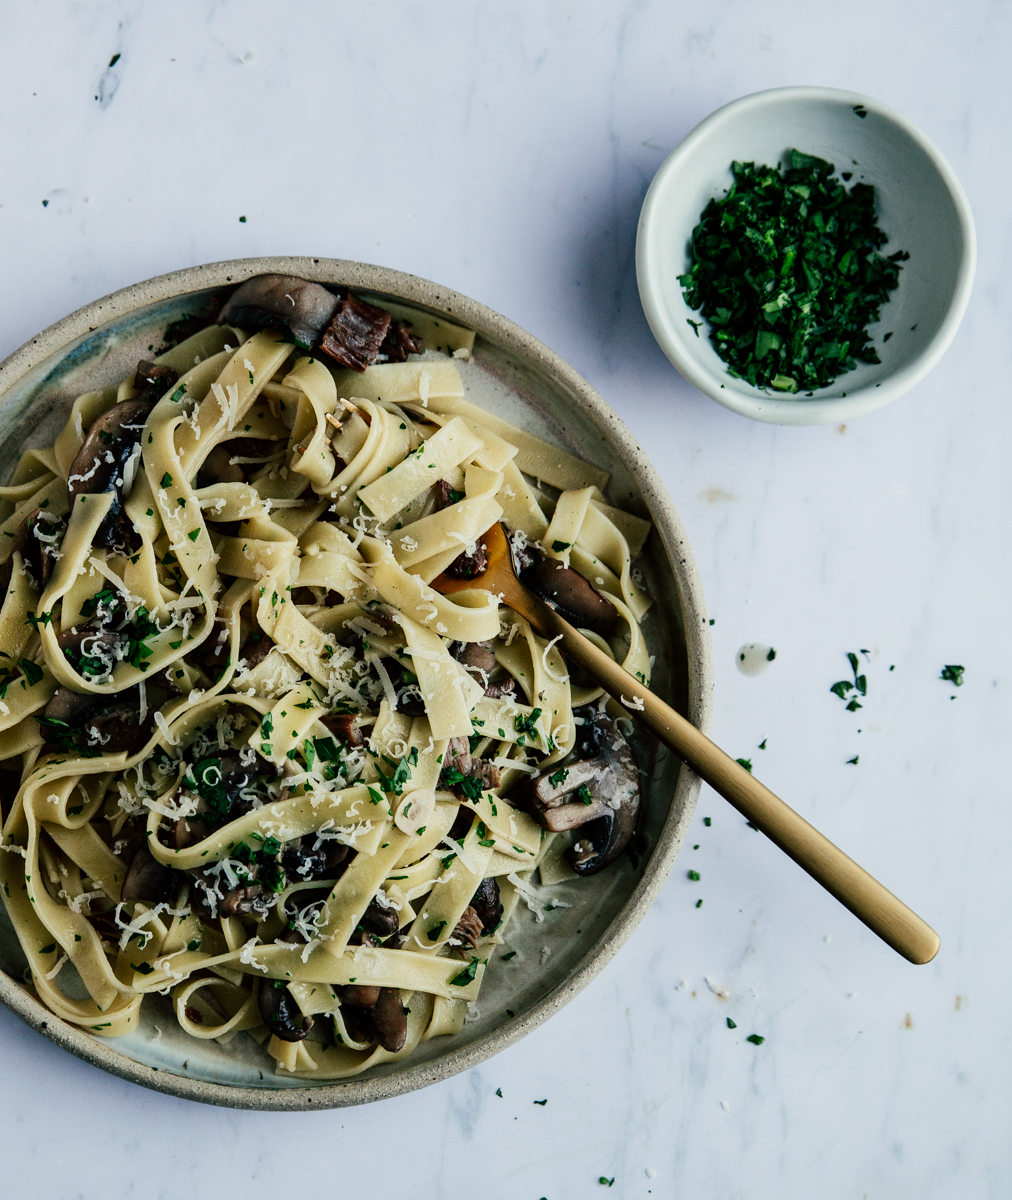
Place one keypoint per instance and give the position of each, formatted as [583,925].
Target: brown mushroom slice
[600,795]
[356,333]
[148,879]
[35,541]
[477,657]
[219,468]
[153,381]
[572,596]
[390,1020]
[281,302]
[100,723]
[280,1012]
[400,341]
[108,461]
[468,930]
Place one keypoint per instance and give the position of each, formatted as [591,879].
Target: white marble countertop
[504,150]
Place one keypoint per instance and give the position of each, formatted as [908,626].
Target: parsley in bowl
[805,256]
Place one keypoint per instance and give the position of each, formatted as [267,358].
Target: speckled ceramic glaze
[526,383]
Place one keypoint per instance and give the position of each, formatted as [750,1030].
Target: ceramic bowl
[516,376]
[920,204]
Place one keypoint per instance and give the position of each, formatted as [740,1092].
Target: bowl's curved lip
[484,320]
[762,407]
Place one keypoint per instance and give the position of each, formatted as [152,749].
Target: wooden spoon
[866,898]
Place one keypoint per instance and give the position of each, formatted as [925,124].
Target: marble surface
[504,150]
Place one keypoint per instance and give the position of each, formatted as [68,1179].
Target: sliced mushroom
[487,905]
[390,1020]
[360,995]
[149,880]
[477,657]
[281,302]
[280,1013]
[35,541]
[379,920]
[100,723]
[153,381]
[464,775]
[356,333]
[346,727]
[415,810]
[219,468]
[482,916]
[468,930]
[399,342]
[598,794]
[240,901]
[108,461]
[574,597]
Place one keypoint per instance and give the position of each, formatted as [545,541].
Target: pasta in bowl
[266,773]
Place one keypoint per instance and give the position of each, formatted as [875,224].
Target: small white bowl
[920,205]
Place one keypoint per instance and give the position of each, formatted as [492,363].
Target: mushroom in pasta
[281,302]
[377,1015]
[36,541]
[571,595]
[149,880]
[597,793]
[481,917]
[108,461]
[280,1013]
[97,724]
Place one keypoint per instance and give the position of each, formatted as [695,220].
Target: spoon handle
[866,898]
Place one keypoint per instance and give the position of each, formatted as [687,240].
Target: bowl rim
[424,294]
[649,272]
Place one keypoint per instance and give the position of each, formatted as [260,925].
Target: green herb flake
[466,976]
[853,761]
[166,480]
[541,1102]
[952,674]
[746,763]
[694,876]
[755,1039]
[731,1024]
[708,821]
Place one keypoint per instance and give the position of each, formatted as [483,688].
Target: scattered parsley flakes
[953,674]
[694,876]
[746,763]
[755,1039]
[853,761]
[731,1024]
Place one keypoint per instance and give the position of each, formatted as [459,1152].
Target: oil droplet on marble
[753,658]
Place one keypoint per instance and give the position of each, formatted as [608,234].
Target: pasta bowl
[517,379]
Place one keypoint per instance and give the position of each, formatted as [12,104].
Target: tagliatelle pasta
[261,765]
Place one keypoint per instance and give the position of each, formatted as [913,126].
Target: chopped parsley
[558,777]
[731,1024]
[746,763]
[845,688]
[953,674]
[466,976]
[755,1039]
[787,271]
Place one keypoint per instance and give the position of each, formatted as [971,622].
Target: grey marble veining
[504,150]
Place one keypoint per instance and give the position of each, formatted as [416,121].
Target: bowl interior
[552,952]
[916,204]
